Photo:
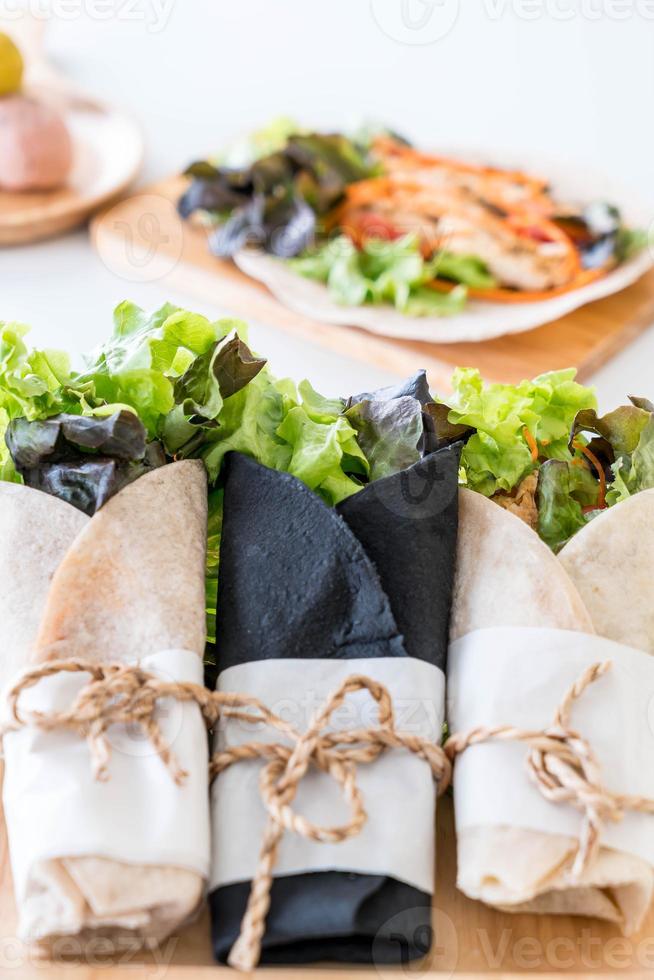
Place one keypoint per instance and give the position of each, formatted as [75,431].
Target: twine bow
[117,694]
[123,694]
[335,753]
[564,768]
[560,761]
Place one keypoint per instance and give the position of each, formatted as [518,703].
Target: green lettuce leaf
[317,453]
[564,491]
[317,407]
[423,301]
[641,476]
[8,472]
[469,270]
[392,272]
[497,456]
[33,384]
[248,423]
[636,472]
[146,354]
[629,242]
[214,533]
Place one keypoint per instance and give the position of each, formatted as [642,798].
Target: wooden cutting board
[143,239]
[471,940]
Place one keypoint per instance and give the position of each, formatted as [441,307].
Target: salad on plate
[377,222]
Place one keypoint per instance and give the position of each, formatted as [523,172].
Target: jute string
[563,767]
[560,761]
[123,694]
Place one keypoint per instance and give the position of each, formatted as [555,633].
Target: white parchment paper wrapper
[398,789]
[518,676]
[54,808]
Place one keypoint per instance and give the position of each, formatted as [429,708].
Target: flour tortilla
[506,576]
[129,582]
[479,321]
[133,582]
[611,562]
[35,533]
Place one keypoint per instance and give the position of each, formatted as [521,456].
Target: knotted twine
[125,694]
[564,768]
[560,761]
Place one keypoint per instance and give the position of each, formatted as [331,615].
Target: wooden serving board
[471,940]
[143,238]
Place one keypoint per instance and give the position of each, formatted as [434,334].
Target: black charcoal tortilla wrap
[305,589]
[123,585]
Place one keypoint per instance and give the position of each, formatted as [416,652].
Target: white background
[565,78]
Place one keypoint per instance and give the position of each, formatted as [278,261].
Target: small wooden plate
[107,145]
[108,154]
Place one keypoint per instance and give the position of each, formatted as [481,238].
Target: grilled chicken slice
[506,189]
[452,219]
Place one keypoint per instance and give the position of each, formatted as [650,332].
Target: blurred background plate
[108,150]
[479,320]
[107,146]
[142,239]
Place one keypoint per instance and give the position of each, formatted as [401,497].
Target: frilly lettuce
[7,469]
[33,383]
[198,392]
[392,272]
[497,455]
[197,388]
[584,461]
[634,471]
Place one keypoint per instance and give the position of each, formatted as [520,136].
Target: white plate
[479,320]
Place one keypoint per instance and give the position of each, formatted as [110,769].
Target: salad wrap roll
[309,595]
[124,858]
[521,628]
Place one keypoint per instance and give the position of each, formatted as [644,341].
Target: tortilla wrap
[506,576]
[618,542]
[329,592]
[480,320]
[131,583]
[36,531]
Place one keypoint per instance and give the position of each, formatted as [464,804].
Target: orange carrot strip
[531,442]
[601,475]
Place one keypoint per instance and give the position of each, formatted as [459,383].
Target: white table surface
[197,72]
